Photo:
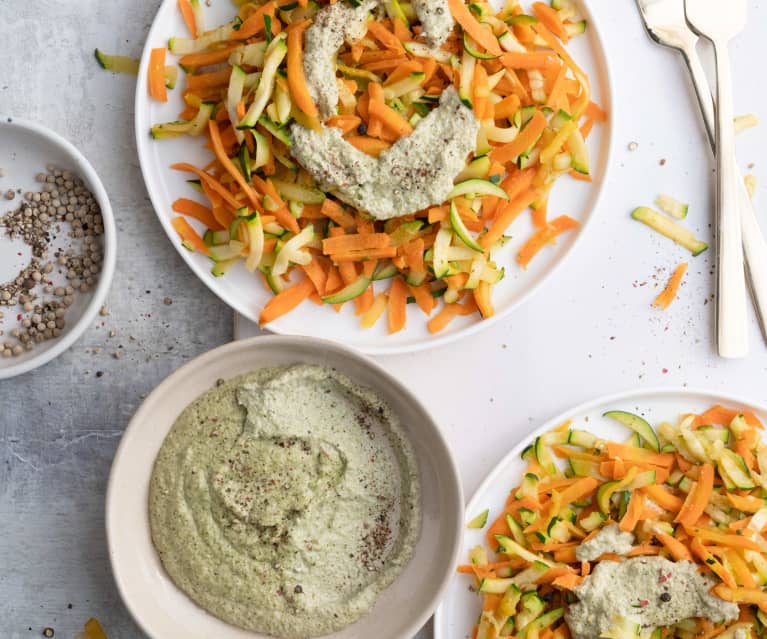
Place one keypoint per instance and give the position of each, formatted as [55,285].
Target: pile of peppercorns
[42,217]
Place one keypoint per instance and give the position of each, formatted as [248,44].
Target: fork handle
[754,243]
[703,92]
[731,294]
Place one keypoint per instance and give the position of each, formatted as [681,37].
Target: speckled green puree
[285,501]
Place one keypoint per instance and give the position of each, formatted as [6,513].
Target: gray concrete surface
[60,425]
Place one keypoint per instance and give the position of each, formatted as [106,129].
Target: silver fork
[666,24]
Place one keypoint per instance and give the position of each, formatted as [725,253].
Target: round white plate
[247,294]
[459,609]
[165,612]
[26,149]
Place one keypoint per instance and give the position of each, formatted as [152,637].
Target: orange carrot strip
[539,215]
[285,301]
[677,549]
[296,78]
[337,213]
[526,138]
[506,108]
[632,453]
[346,123]
[197,211]
[212,183]
[722,416]
[423,297]
[567,582]
[669,293]
[550,17]
[702,553]
[317,275]
[661,496]
[482,34]
[595,112]
[754,596]
[722,539]
[644,549]
[543,237]
[368,145]
[186,12]
[390,118]
[507,213]
[397,305]
[208,80]
[403,71]
[633,512]
[531,60]
[367,254]
[557,92]
[442,319]
[157,89]
[384,36]
[566,555]
[206,59]
[228,165]
[189,235]
[255,22]
[354,242]
[746,504]
[743,575]
[698,497]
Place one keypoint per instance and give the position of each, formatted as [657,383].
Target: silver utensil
[666,24]
[719,24]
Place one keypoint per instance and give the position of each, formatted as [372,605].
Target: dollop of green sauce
[285,501]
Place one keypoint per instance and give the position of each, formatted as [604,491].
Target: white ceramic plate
[247,295]
[459,609]
[162,610]
[26,149]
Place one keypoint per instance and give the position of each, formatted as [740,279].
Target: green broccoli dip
[285,501]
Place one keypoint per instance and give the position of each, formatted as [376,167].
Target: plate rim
[110,245]
[142,412]
[549,423]
[430,342]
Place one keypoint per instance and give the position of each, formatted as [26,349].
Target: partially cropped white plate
[165,612]
[459,609]
[247,294]
[26,148]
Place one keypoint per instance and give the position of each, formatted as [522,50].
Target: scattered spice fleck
[664,370]
[48,632]
[104,311]
[167,301]
[662,162]
[633,146]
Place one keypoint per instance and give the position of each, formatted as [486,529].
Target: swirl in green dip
[285,501]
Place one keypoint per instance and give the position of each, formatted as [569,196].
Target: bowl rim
[434,341]
[88,173]
[301,344]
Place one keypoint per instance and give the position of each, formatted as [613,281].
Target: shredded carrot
[296,78]
[197,211]
[526,138]
[669,293]
[397,305]
[157,89]
[188,14]
[189,235]
[543,237]
[481,33]
[285,301]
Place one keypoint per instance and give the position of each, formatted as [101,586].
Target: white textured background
[588,332]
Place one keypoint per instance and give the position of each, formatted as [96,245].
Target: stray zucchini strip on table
[692,491]
[246,87]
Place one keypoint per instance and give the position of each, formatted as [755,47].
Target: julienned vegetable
[671,229]
[246,88]
[694,490]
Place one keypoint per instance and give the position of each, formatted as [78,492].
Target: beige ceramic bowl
[162,610]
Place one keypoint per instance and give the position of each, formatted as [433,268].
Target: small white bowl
[26,149]
[165,612]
